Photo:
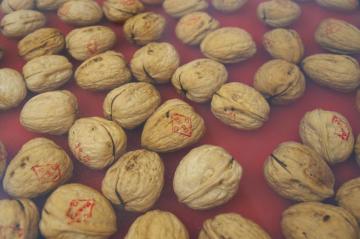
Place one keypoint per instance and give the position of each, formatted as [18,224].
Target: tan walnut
[228,5]
[348,197]
[8,6]
[357,150]
[179,8]
[12,88]
[342,5]
[121,10]
[3,158]
[48,5]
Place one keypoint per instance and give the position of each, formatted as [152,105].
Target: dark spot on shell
[326,218]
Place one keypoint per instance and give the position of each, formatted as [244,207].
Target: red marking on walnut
[92,47]
[231,114]
[80,210]
[79,153]
[343,131]
[331,28]
[267,43]
[64,10]
[193,20]
[48,172]
[181,124]
[12,230]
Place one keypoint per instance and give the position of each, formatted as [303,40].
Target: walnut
[179,8]
[8,6]
[3,157]
[49,4]
[357,150]
[12,89]
[348,197]
[228,5]
[342,5]
[121,10]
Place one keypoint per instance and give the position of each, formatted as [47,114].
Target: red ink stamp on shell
[80,153]
[343,131]
[331,28]
[48,172]
[231,114]
[64,10]
[13,230]
[92,47]
[80,210]
[181,124]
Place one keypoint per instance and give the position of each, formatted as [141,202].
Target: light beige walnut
[179,8]
[83,43]
[278,13]
[77,211]
[155,62]
[228,5]
[3,158]
[96,142]
[228,45]
[121,10]
[144,28]
[357,150]
[284,44]
[135,181]
[52,112]
[317,220]
[44,41]
[12,88]
[21,22]
[328,133]
[338,72]
[157,225]
[104,71]
[341,5]
[208,176]
[41,165]
[240,106]
[231,225]
[348,197]
[46,73]
[280,82]
[338,36]
[80,12]
[131,104]
[297,172]
[8,6]
[173,126]
[198,80]
[19,219]
[49,4]
[192,28]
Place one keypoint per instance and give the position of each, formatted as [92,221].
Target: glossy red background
[255,199]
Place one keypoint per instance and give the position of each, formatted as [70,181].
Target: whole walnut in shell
[278,13]
[228,5]
[348,197]
[49,4]
[173,126]
[317,220]
[231,225]
[97,142]
[338,36]
[19,219]
[131,104]
[104,71]
[3,157]
[41,165]
[297,172]
[179,8]
[342,5]
[208,176]
[121,10]
[280,82]
[155,62]
[52,112]
[8,6]
[240,106]
[157,225]
[77,211]
[135,181]
[198,80]
[338,72]
[328,133]
[357,150]
[228,45]
[46,73]
[12,88]
[284,44]
[192,28]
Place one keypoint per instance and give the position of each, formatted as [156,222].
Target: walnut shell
[46,73]
[157,225]
[179,8]
[77,211]
[199,79]
[284,44]
[240,106]
[173,126]
[318,220]
[341,5]
[280,82]
[83,43]
[8,6]
[278,13]
[208,176]
[49,4]
[19,219]
[96,142]
[348,197]
[338,36]
[104,71]
[357,150]
[121,10]
[135,181]
[41,165]
[52,112]
[131,104]
[228,45]
[338,72]
[12,88]
[44,41]
[328,133]
[144,28]
[155,62]
[228,5]
[297,172]
[21,22]
[231,225]
[3,157]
